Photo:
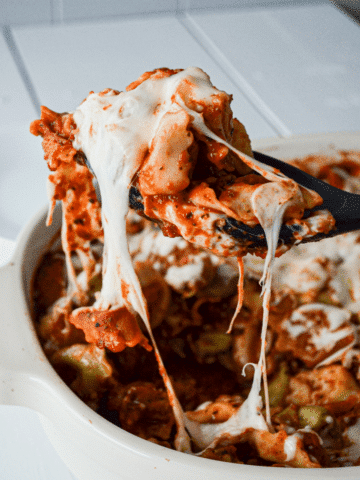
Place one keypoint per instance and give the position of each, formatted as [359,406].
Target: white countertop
[291,69]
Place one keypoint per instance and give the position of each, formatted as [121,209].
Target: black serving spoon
[344,206]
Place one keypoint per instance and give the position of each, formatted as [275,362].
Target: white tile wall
[15,12]
[95,9]
[25,11]
[18,12]
[290,69]
[248,4]
[23,173]
[15,104]
[303,61]
[78,58]
[22,170]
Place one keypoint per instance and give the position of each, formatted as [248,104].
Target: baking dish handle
[21,360]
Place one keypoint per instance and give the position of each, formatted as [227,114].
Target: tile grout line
[57,11]
[15,53]
[234,76]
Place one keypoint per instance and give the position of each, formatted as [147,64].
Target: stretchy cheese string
[115,159]
[240,289]
[119,274]
[270,218]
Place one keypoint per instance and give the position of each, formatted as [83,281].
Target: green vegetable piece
[95,284]
[313,416]
[289,416]
[90,363]
[325,297]
[278,386]
[211,343]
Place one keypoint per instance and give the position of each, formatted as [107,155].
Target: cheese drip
[269,203]
[240,288]
[114,131]
[108,140]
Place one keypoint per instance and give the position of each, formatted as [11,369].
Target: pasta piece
[171,134]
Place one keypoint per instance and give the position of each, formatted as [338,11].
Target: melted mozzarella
[115,131]
[290,446]
[240,293]
[247,416]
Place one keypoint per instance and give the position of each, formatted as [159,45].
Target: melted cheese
[290,446]
[240,293]
[248,415]
[115,131]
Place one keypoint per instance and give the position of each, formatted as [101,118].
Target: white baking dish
[92,447]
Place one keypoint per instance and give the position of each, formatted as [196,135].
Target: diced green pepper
[313,416]
[253,300]
[325,297]
[95,284]
[212,343]
[289,416]
[90,363]
[278,386]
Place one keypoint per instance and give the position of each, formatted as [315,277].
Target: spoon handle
[344,206]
